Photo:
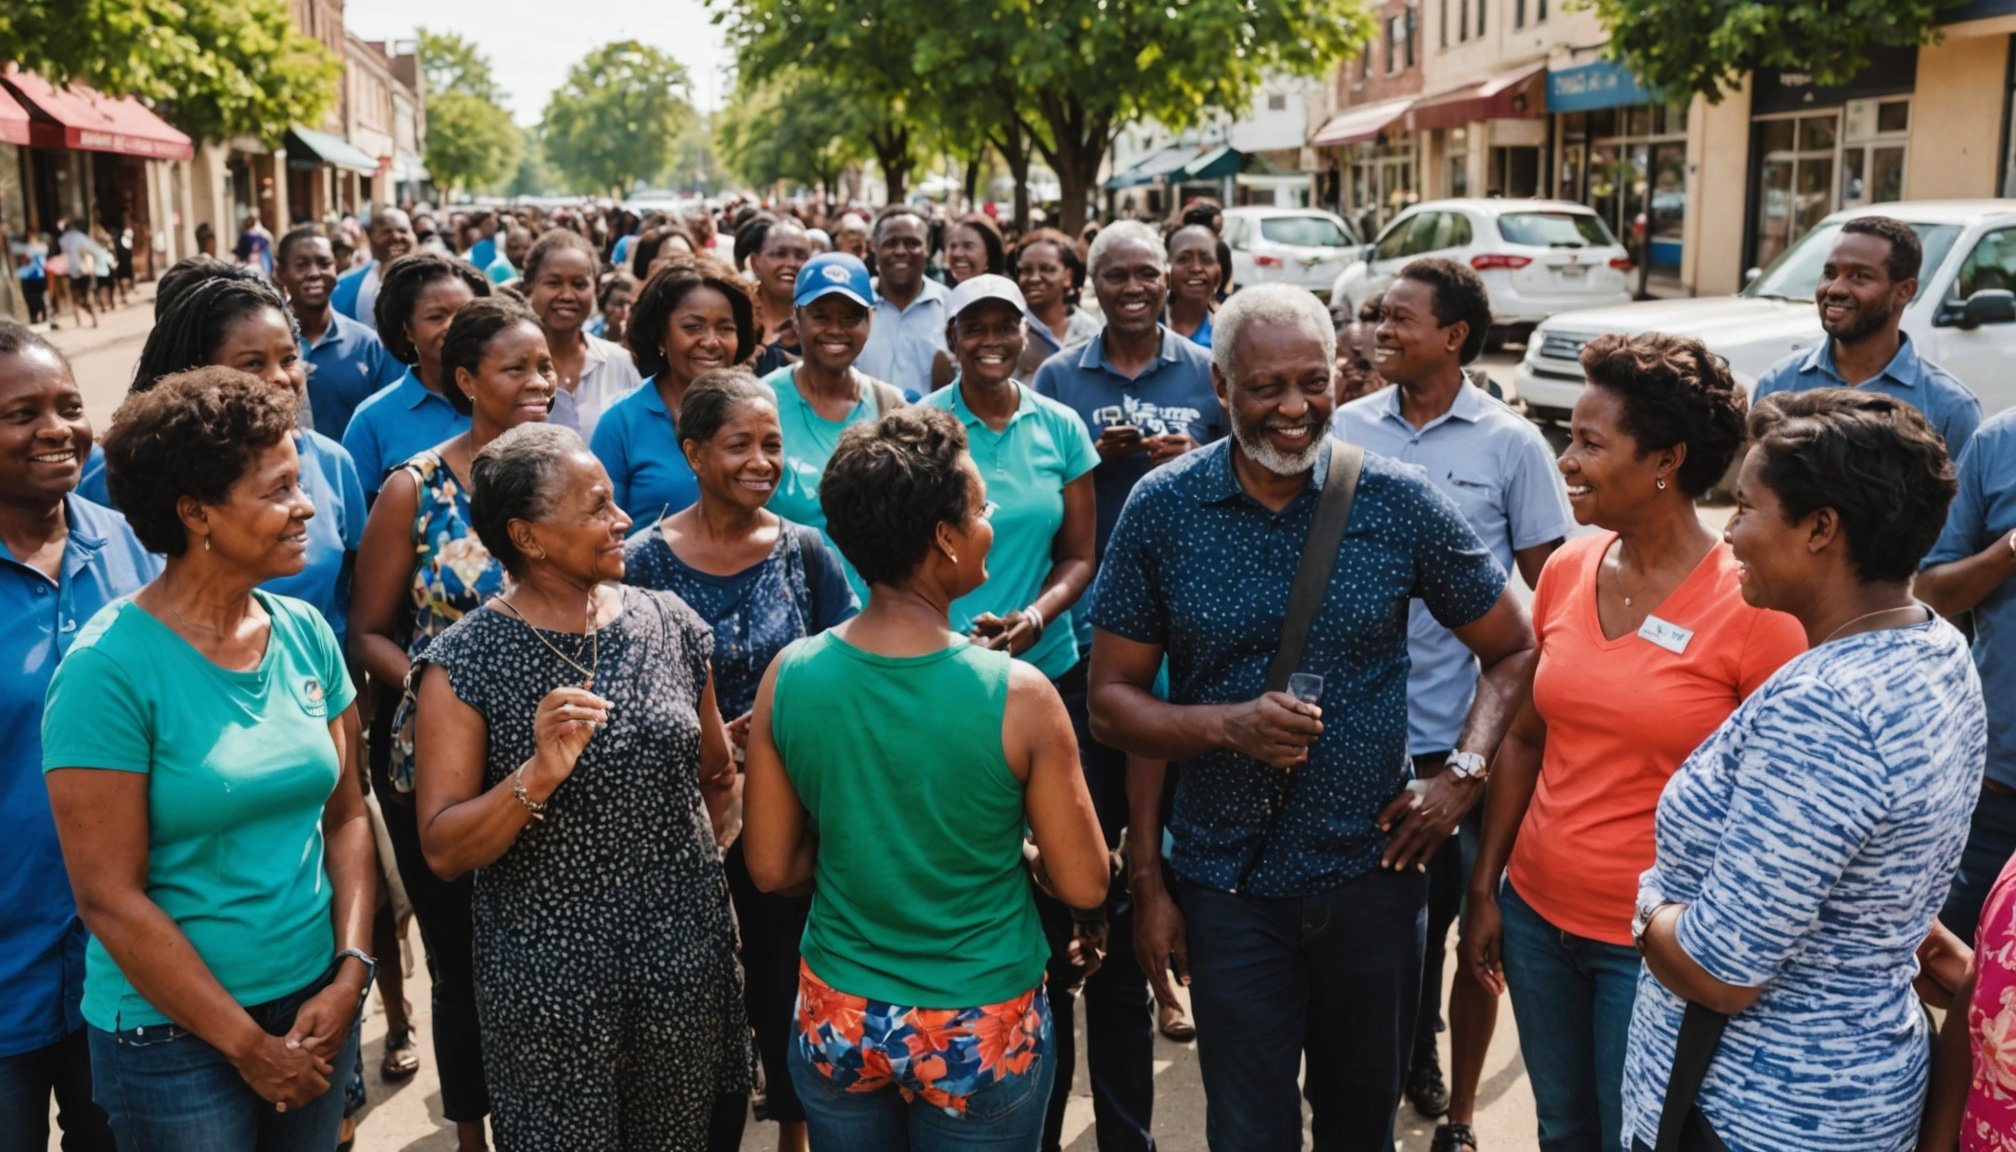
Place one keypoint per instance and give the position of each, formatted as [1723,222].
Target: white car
[1304,246]
[1963,318]
[1537,257]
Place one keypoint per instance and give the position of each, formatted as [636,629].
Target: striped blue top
[1813,838]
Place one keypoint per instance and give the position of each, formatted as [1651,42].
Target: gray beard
[1253,441]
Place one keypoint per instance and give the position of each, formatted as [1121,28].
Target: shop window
[1276,102]
[1459,175]
[1539,11]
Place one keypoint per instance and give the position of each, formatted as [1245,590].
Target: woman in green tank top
[897,767]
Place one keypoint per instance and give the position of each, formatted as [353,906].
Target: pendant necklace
[591,640]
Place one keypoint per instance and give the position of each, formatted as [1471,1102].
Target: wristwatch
[1469,766]
[1641,918]
[370,964]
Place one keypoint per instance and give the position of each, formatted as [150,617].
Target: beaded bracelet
[537,809]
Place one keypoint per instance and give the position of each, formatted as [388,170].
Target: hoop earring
[1662,484]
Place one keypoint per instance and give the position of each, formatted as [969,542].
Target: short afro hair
[299,234]
[513,478]
[1674,391]
[652,311]
[1870,457]
[553,240]
[192,434]
[1459,295]
[1907,253]
[399,290]
[889,485]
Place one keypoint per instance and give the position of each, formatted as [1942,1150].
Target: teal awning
[1153,168]
[1216,164]
[306,147]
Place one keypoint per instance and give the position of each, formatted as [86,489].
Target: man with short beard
[1497,468]
[390,237]
[1301,837]
[1869,279]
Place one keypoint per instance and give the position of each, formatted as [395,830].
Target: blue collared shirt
[1952,410]
[903,342]
[345,366]
[1984,513]
[1497,468]
[1202,569]
[640,448]
[396,423]
[41,939]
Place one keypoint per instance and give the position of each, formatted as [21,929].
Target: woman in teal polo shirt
[199,745]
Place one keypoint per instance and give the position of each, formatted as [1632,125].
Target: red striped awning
[82,119]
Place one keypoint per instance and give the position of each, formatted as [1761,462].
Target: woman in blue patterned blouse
[1805,847]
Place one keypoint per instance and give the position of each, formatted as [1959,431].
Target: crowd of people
[824,660]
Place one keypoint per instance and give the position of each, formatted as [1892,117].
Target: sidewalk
[103,357]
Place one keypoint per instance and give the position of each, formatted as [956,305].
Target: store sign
[1978,10]
[1890,71]
[87,140]
[1588,87]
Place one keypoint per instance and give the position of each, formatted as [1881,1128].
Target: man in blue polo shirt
[907,330]
[1869,279]
[1498,470]
[1973,569]
[46,601]
[1301,837]
[346,363]
[356,293]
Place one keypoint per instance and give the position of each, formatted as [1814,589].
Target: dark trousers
[1990,842]
[1118,1009]
[29,1079]
[447,929]
[771,928]
[36,293]
[1329,983]
[1448,878]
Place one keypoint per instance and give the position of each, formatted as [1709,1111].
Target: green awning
[1216,164]
[307,147]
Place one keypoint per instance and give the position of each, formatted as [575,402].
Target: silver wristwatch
[1641,919]
[1468,766]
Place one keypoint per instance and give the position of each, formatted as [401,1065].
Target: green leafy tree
[792,127]
[1681,47]
[533,177]
[215,68]
[1067,73]
[617,118]
[472,145]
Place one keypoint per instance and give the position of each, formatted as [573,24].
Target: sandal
[1453,1138]
[1176,1026]
[402,1056]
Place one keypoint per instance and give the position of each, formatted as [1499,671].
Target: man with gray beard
[1300,844]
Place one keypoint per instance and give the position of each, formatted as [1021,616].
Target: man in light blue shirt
[1870,277]
[356,291]
[907,331]
[1500,472]
[1973,569]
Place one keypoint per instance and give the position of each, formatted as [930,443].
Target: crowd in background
[827,658]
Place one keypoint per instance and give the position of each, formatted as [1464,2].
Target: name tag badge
[1671,637]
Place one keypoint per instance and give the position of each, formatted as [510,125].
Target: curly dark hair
[188,271]
[1675,392]
[1459,295]
[713,398]
[199,316]
[989,232]
[399,289]
[552,241]
[644,252]
[654,306]
[889,485]
[1068,253]
[192,434]
[469,337]
[1907,254]
[1872,458]
[512,478]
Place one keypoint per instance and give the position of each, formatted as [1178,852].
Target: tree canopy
[216,68]
[794,125]
[1681,47]
[617,119]
[471,142]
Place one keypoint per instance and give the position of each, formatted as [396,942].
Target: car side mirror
[1988,306]
[1750,277]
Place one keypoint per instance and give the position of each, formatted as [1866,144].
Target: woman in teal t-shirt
[898,763]
[199,745]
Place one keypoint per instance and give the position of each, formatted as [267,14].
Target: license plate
[1572,271]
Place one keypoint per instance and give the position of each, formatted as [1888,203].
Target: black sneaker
[1453,1138]
[1426,1089]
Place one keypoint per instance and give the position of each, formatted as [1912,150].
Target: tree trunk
[892,154]
[1014,148]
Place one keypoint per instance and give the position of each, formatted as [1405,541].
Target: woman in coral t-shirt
[1646,647]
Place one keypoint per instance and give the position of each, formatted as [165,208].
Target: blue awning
[1588,87]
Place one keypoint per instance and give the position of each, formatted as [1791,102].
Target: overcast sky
[532,43]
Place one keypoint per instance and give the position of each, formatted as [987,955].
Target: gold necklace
[1913,608]
[592,640]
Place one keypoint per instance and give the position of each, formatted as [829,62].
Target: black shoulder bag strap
[1319,556]
[1305,595]
[1700,1035]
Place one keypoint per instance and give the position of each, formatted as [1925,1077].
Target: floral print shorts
[942,1056]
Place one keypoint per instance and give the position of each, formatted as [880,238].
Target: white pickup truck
[1963,319]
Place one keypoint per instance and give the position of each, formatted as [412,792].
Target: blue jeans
[1991,840]
[28,1079]
[1332,979]
[166,1090]
[1572,998]
[1007,1115]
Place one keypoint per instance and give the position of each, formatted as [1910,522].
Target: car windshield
[1555,230]
[1796,274]
[1304,232]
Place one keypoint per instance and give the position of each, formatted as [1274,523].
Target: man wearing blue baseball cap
[910,314]
[818,397]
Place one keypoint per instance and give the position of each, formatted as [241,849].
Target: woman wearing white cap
[1036,458]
